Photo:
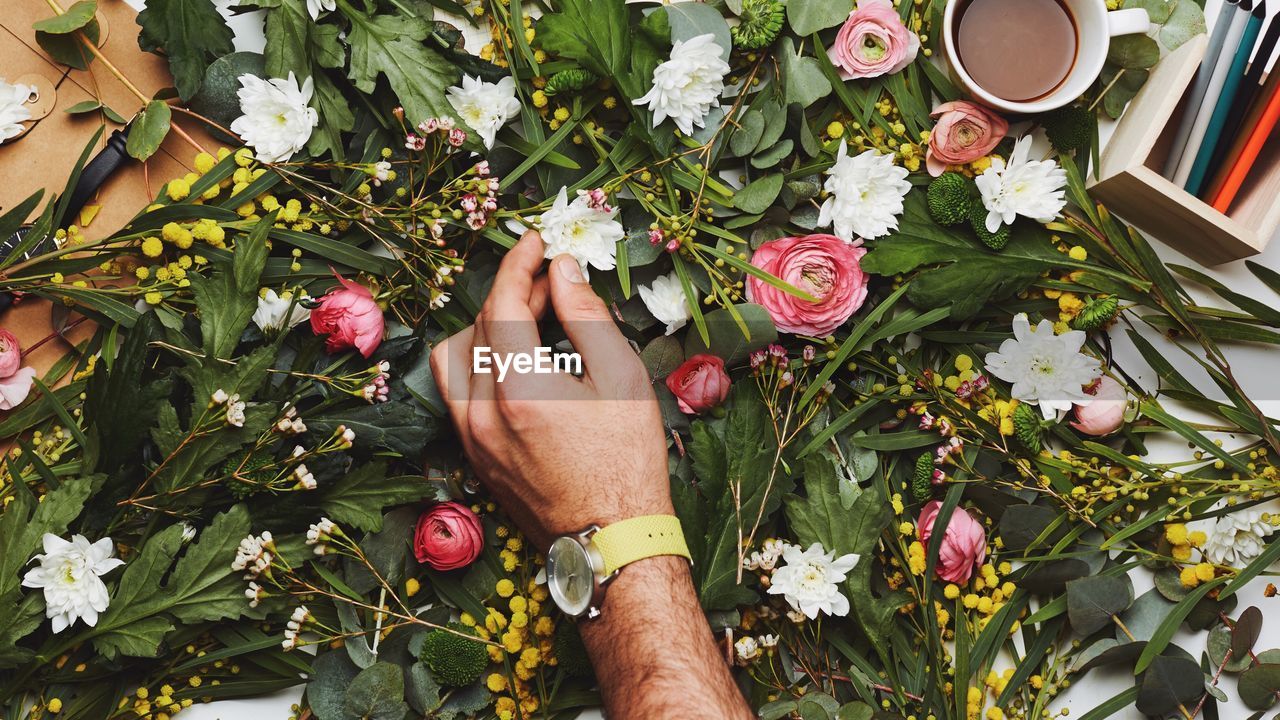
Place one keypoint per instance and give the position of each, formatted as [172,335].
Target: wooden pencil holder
[1129,182]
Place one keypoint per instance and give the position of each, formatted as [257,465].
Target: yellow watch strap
[627,541]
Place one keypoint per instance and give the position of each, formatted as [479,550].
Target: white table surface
[1255,367]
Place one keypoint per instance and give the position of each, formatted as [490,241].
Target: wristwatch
[580,566]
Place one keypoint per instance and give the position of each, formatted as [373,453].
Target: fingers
[606,354]
[451,367]
[507,320]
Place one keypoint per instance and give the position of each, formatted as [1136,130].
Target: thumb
[586,321]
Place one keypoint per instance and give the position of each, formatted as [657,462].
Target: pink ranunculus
[448,537]
[873,42]
[964,546]
[15,388]
[699,384]
[824,266]
[350,317]
[964,133]
[1105,413]
[10,353]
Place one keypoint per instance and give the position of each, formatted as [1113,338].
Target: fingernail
[570,270]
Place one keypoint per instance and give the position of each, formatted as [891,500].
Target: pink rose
[15,388]
[350,317]
[964,546]
[964,133]
[824,266]
[448,537]
[873,42]
[699,384]
[10,354]
[1105,413]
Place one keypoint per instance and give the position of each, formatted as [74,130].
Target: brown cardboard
[46,154]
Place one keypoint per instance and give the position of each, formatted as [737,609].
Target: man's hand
[559,452]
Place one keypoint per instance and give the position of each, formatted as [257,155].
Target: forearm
[653,652]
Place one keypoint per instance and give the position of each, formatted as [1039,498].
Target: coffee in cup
[1029,56]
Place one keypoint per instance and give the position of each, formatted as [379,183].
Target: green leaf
[227,300]
[75,17]
[191,34]
[819,517]
[809,16]
[1160,639]
[359,498]
[595,33]
[201,587]
[1168,683]
[1185,21]
[689,20]
[149,130]
[1258,686]
[662,356]
[24,523]
[395,47]
[739,484]
[217,99]
[332,673]
[959,273]
[759,195]
[802,77]
[1092,601]
[377,693]
[747,135]
[286,28]
[69,49]
[1133,52]
[726,336]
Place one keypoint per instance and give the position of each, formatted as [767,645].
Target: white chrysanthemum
[1031,188]
[810,580]
[866,194]
[13,108]
[1237,538]
[485,106]
[586,231]
[69,574]
[666,301]
[315,6]
[1045,368]
[277,119]
[279,312]
[686,86]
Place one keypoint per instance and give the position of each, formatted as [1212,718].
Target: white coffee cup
[1095,26]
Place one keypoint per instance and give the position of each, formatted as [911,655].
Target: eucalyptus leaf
[809,16]
[149,130]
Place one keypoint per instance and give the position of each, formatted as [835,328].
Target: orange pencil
[1249,153]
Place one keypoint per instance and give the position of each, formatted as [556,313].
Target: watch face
[570,576]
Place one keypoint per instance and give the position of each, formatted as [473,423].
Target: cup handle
[1130,21]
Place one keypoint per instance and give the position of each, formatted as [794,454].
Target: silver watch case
[581,543]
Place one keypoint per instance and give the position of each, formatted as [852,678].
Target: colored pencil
[1245,100]
[1204,111]
[1222,108]
[1258,137]
[1201,86]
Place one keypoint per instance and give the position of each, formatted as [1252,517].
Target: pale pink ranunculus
[1105,413]
[10,353]
[965,132]
[350,317]
[448,537]
[15,388]
[964,546]
[873,42]
[825,267]
[699,384]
